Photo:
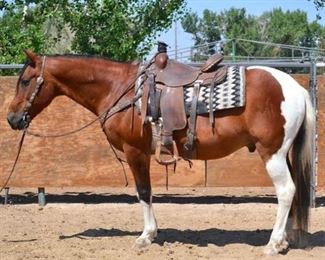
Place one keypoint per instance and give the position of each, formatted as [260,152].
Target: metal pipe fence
[11,66]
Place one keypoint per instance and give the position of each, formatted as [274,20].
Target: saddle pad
[229,94]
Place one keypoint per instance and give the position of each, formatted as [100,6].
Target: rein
[15,162]
[103,116]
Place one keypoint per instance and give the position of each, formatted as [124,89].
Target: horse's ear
[34,58]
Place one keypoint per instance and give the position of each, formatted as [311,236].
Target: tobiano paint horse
[278,116]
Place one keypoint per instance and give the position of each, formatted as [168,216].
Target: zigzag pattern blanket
[229,94]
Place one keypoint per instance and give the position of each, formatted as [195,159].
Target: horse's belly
[228,136]
[218,146]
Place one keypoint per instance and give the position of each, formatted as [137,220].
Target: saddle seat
[176,74]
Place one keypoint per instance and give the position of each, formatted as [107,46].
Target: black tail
[302,167]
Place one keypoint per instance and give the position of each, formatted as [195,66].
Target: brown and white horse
[278,116]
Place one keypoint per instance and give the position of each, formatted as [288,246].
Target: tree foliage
[276,26]
[204,30]
[122,30]
[16,36]
[236,23]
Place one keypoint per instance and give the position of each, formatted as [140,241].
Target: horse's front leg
[139,163]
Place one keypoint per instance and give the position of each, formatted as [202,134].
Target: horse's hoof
[275,248]
[142,242]
[284,245]
[270,250]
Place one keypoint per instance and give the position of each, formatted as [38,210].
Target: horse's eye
[25,82]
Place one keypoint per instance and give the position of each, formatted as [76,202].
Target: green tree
[205,30]
[129,26]
[316,34]
[237,24]
[276,26]
[122,30]
[230,24]
[15,35]
[290,27]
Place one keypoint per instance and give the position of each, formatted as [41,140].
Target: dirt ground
[194,223]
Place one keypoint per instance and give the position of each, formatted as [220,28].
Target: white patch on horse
[293,110]
[150,225]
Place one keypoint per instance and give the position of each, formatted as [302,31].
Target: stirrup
[174,154]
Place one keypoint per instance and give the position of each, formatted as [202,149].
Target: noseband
[39,83]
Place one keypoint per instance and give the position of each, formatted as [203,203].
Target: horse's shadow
[215,236]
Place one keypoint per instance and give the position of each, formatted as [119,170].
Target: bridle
[30,101]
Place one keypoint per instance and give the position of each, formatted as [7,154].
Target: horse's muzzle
[18,121]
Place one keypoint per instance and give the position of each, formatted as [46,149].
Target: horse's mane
[86,56]
[71,56]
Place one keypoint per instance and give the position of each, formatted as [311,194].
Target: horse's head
[34,91]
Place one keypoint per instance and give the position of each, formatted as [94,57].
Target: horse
[277,120]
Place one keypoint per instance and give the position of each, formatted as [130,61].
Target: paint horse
[278,116]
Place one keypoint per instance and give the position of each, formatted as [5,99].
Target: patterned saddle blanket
[229,94]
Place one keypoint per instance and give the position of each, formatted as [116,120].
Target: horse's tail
[302,163]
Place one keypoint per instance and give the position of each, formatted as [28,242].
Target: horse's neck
[94,84]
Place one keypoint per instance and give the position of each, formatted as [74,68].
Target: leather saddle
[177,74]
[163,98]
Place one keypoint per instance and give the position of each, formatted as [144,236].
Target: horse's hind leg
[139,163]
[285,189]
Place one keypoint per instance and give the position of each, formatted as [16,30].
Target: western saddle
[163,100]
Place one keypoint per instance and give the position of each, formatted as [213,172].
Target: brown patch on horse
[263,108]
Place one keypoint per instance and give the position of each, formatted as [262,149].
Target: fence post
[6,195]
[205,173]
[313,94]
[233,44]
[41,196]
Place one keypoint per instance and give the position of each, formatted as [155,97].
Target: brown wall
[85,159]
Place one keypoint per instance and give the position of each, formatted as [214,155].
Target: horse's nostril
[10,117]
[11,122]
[14,119]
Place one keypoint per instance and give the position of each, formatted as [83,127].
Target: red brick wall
[85,159]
